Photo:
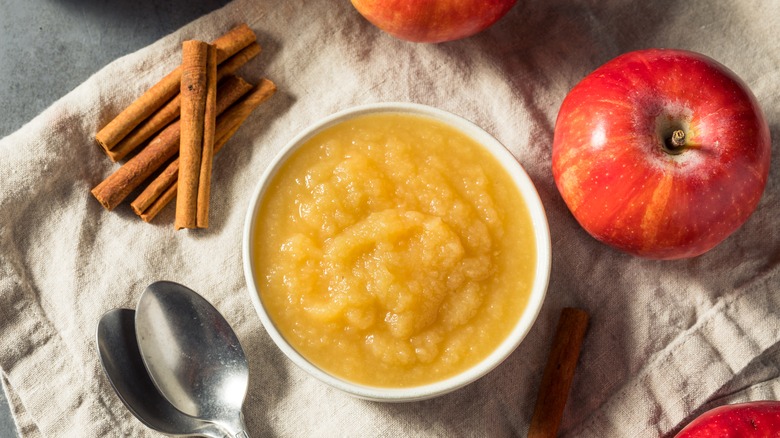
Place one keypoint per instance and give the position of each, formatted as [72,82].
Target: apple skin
[432,21]
[629,185]
[759,419]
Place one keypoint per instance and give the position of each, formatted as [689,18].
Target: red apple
[432,21]
[661,153]
[759,419]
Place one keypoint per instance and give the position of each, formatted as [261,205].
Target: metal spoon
[121,360]
[192,355]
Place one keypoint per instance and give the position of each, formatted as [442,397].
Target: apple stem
[675,144]
[678,138]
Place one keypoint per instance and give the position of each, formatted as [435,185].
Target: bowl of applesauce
[396,251]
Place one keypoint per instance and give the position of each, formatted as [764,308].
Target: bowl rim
[541,234]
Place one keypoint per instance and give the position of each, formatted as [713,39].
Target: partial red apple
[661,153]
[759,419]
[433,21]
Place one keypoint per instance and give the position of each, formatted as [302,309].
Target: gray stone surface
[7,428]
[48,47]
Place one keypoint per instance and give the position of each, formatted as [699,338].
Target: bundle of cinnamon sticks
[192,112]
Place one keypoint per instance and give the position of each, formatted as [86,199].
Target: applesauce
[392,250]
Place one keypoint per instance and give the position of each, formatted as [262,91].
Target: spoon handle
[211,431]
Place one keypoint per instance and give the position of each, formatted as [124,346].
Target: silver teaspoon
[192,355]
[121,360]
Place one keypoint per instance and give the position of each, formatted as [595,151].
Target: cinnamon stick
[236,39]
[230,65]
[162,92]
[558,374]
[207,154]
[114,189]
[160,119]
[159,185]
[158,193]
[194,82]
[159,203]
[170,111]
[237,113]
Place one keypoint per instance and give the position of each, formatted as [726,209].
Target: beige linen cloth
[667,339]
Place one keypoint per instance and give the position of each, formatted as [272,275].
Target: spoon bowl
[192,355]
[121,360]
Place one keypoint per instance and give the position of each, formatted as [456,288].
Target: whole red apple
[432,21]
[661,153]
[760,419]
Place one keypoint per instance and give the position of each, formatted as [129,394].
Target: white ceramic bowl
[524,322]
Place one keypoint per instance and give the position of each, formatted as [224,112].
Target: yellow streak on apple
[655,209]
[571,184]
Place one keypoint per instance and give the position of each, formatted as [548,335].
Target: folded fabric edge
[24,424]
[767,376]
[718,347]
